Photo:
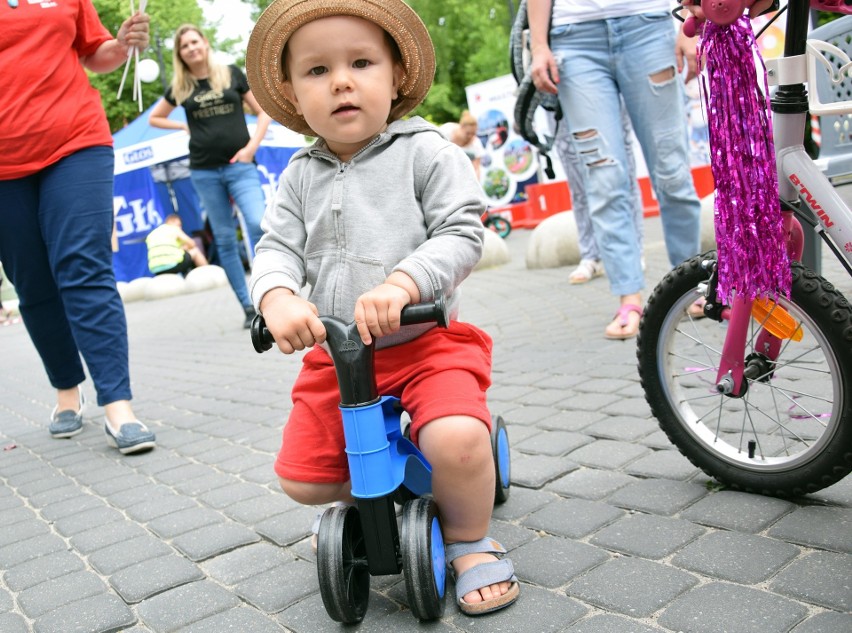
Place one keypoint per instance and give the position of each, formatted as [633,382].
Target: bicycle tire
[798,416]
[342,567]
[500,226]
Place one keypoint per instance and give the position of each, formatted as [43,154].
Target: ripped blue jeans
[601,62]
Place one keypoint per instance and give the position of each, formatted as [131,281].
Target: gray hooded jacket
[408,201]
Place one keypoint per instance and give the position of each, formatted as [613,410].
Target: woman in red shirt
[56,206]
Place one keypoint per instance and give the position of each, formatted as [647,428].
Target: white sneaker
[585,271]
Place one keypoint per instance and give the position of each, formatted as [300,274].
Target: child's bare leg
[197,256]
[313,494]
[459,450]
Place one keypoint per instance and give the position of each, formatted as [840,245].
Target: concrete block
[133,290]
[554,243]
[166,285]
[206,278]
[494,251]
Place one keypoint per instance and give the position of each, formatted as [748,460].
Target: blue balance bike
[363,540]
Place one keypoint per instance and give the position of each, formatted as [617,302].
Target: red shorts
[441,373]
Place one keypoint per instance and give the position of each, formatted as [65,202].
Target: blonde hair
[183,83]
[467,118]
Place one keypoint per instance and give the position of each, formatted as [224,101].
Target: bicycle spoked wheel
[791,432]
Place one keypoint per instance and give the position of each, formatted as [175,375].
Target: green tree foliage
[165,18]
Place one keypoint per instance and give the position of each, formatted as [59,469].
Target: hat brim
[283,17]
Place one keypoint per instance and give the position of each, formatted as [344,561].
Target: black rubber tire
[344,576]
[798,414]
[423,559]
[502,459]
[500,226]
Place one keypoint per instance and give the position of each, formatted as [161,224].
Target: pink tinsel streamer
[749,235]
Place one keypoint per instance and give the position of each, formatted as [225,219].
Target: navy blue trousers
[55,231]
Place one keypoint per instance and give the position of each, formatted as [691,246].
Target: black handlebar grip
[428,312]
[260,336]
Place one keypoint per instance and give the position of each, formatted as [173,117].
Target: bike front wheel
[499,225]
[790,432]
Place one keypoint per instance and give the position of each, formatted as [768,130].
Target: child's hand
[293,322]
[377,311]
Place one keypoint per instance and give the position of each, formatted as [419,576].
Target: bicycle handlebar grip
[261,339]
[435,310]
[426,312]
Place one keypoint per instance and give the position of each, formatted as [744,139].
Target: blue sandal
[482,575]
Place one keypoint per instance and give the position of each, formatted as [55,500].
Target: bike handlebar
[431,311]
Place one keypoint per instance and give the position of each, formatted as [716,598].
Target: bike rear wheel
[791,432]
[499,225]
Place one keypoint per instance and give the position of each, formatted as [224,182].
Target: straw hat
[283,17]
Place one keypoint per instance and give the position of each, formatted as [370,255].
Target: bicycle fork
[734,365]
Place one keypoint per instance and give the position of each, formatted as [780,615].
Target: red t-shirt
[48,108]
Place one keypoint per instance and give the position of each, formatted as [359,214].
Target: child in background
[378,213]
[170,250]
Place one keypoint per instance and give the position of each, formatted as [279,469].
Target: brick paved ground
[611,530]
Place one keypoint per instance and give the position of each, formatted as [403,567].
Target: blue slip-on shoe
[67,423]
[132,437]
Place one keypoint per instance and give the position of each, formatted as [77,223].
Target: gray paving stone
[631,586]
[279,587]
[199,485]
[625,428]
[183,521]
[210,540]
[34,482]
[534,471]
[608,623]
[665,463]
[68,507]
[288,528]
[258,509]
[41,569]
[823,578]
[551,561]
[128,552]
[553,443]
[229,495]
[182,606]
[741,558]
[22,531]
[589,483]
[521,502]
[738,511]
[56,592]
[548,611]
[245,562]
[239,619]
[96,517]
[29,549]
[13,623]
[826,622]
[159,507]
[657,496]
[647,535]
[98,537]
[716,606]
[826,528]
[15,515]
[608,454]
[572,518]
[152,577]
[56,495]
[97,614]
[142,494]
[571,420]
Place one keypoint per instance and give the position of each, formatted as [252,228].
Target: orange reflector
[776,319]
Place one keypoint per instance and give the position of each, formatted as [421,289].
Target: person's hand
[134,32]
[685,53]
[293,321]
[377,312]
[244,155]
[544,71]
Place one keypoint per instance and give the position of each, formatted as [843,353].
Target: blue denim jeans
[55,230]
[601,62]
[216,187]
